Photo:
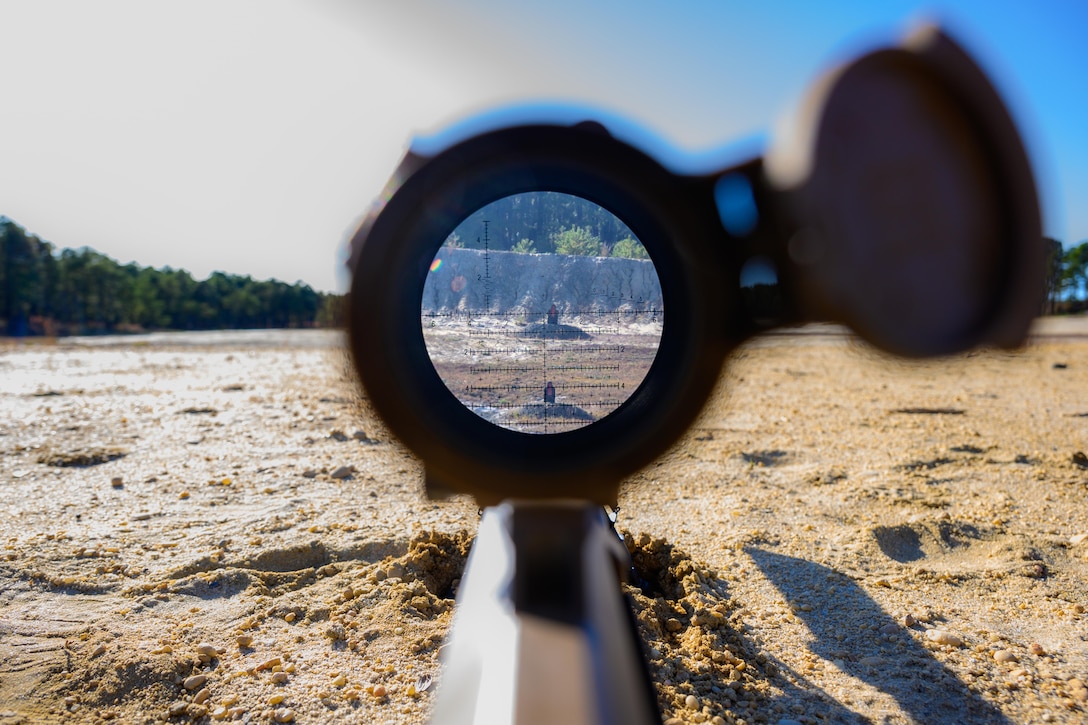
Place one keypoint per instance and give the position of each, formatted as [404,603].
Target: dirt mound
[702,666]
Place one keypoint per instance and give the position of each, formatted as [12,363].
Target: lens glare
[542,312]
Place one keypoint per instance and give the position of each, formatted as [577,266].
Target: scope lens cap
[912,211]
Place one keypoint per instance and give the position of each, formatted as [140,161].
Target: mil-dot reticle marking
[542,312]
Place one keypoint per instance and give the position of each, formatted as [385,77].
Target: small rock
[379,691]
[673,625]
[279,678]
[196,711]
[942,636]
[691,702]
[194,682]
[99,650]
[1037,649]
[207,650]
[1080,459]
[343,472]
[284,714]
[117,482]
[244,640]
[177,708]
[269,664]
[309,473]
[909,620]
[1004,655]
[674,721]
[338,435]
[201,697]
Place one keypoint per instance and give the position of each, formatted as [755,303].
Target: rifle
[899,202]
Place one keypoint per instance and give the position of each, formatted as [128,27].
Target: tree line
[1066,278]
[546,222]
[44,291]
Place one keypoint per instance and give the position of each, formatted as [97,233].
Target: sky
[249,136]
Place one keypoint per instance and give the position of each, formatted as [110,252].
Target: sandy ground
[215,527]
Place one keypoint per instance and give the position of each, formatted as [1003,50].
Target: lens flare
[436,265]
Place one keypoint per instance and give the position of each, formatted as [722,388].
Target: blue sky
[249,136]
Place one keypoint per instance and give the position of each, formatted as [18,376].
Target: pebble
[195,681]
[269,664]
[1004,655]
[673,625]
[691,702]
[99,650]
[207,650]
[201,697]
[284,714]
[220,713]
[943,636]
[278,678]
[244,640]
[909,620]
[1037,649]
[117,482]
[379,691]
[177,708]
[342,472]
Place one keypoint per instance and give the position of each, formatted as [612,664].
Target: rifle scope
[542,302]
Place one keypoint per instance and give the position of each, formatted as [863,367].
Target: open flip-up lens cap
[912,211]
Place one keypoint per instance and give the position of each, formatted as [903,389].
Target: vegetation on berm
[79,291]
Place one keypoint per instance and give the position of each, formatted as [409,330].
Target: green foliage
[524,246]
[1066,277]
[540,216]
[81,291]
[1075,268]
[629,247]
[578,241]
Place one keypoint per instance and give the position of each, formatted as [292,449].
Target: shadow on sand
[926,690]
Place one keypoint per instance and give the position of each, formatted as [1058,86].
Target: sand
[216,527]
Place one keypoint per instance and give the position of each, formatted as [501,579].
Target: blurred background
[249,136]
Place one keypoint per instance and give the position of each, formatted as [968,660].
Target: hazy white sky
[249,135]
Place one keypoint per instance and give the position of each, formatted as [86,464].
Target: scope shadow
[927,690]
[679,655]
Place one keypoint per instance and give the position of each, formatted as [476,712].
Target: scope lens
[542,312]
